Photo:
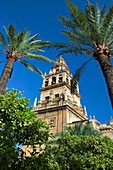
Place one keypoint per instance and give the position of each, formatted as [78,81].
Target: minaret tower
[57,106]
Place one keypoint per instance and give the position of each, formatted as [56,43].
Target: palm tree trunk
[6,74]
[107,70]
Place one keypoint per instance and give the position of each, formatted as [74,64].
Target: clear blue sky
[41,16]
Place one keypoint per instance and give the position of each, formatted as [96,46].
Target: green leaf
[95,19]
[38,57]
[31,67]
[76,14]
[79,38]
[19,127]
[66,48]
[12,36]
[107,25]
[67,22]
[21,38]
[77,75]
[3,42]
[31,39]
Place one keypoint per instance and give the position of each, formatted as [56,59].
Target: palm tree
[81,129]
[20,45]
[90,33]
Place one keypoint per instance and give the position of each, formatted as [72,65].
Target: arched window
[56,96]
[70,82]
[60,79]
[67,80]
[47,98]
[46,83]
[57,70]
[53,80]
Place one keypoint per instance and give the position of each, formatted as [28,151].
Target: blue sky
[41,16]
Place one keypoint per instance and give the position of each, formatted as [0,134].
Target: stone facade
[105,129]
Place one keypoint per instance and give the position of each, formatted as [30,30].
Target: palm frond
[111,48]
[66,48]
[76,14]
[33,38]
[87,51]
[33,46]
[3,51]
[67,22]
[31,67]
[26,40]
[112,53]
[103,11]
[3,42]
[87,30]
[108,36]
[94,19]
[66,51]
[22,40]
[39,43]
[107,25]
[77,75]
[110,43]
[12,36]
[22,36]
[71,48]
[38,57]
[59,45]
[36,46]
[79,38]
[73,51]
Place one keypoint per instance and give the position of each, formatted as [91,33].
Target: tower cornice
[55,86]
[63,107]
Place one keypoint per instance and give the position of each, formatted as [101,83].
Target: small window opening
[47,98]
[60,79]
[46,83]
[56,95]
[57,70]
[67,80]
[53,80]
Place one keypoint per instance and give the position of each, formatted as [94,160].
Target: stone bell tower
[57,106]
